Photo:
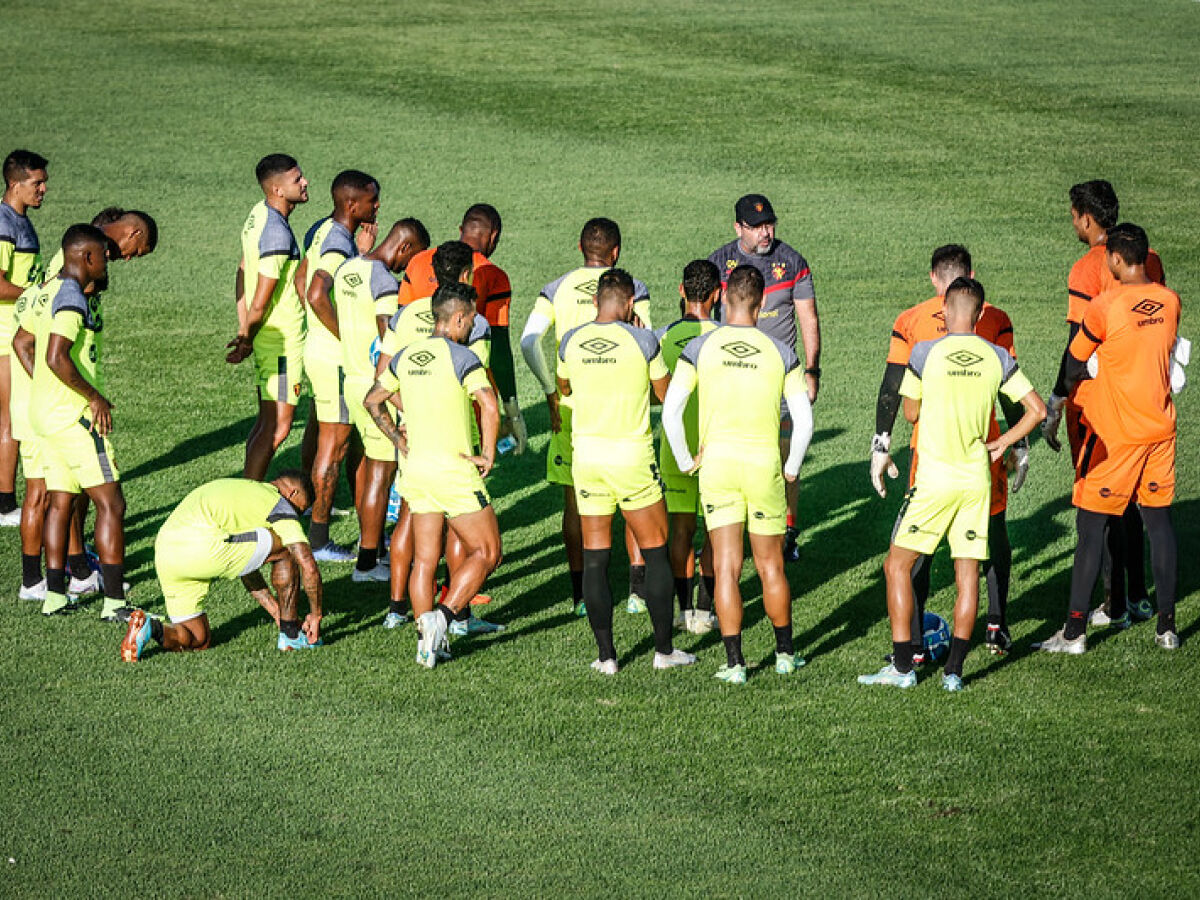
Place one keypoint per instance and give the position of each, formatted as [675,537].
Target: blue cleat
[394,620]
[952,683]
[891,676]
[332,552]
[299,642]
[137,637]
[472,625]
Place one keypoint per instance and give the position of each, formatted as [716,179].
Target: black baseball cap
[753,209]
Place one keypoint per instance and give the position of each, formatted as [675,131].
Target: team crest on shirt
[296,389]
[777,269]
[730,265]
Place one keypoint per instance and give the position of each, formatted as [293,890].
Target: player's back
[1090,277]
[610,366]
[269,249]
[364,290]
[926,321]
[235,506]
[960,376]
[740,373]
[1130,400]
[435,378]
[569,300]
[673,339]
[58,406]
[31,313]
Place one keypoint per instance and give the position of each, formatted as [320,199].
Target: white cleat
[1057,643]
[675,658]
[379,573]
[427,643]
[37,592]
[11,519]
[83,587]
[605,666]
[1168,640]
[702,622]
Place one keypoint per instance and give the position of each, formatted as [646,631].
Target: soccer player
[565,303]
[789,298]
[608,368]
[700,290]
[950,386]
[71,420]
[365,290]
[434,381]
[742,374]
[1128,446]
[271,315]
[230,528]
[927,322]
[480,230]
[131,234]
[328,244]
[1094,210]
[20,267]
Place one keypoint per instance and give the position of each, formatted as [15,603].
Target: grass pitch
[879,131]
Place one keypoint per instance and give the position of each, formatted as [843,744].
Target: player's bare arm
[1035,411]
[489,422]
[310,580]
[257,588]
[58,358]
[251,321]
[24,345]
[912,409]
[317,298]
[376,405]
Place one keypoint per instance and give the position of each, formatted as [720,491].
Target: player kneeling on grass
[742,374]
[434,381]
[951,386]
[230,528]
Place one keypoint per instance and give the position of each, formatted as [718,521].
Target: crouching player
[229,528]
[743,374]
[434,381]
[951,385]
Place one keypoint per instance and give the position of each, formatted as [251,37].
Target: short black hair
[599,236]
[305,480]
[963,285]
[20,163]
[1098,200]
[80,234]
[614,282]
[744,285]
[351,180]
[1129,242]
[451,298]
[700,278]
[108,216]
[149,225]
[950,261]
[482,214]
[450,260]
[417,228]
[274,164]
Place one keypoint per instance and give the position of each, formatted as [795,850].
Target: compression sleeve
[502,363]
[1060,385]
[674,404]
[802,426]
[888,403]
[531,349]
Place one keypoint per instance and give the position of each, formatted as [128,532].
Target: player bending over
[741,374]
[950,387]
[607,369]
[230,528]
[434,381]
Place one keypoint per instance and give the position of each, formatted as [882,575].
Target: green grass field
[879,131]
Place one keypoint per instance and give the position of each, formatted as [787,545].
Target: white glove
[516,422]
[1093,366]
[881,462]
[1018,465]
[1181,355]
[1054,413]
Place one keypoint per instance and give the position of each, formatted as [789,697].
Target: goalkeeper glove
[1054,413]
[881,462]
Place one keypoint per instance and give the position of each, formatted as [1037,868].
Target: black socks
[114,580]
[77,565]
[318,534]
[31,570]
[733,649]
[958,652]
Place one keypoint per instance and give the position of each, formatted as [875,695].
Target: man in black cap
[788,297]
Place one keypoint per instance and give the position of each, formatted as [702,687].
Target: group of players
[407,352]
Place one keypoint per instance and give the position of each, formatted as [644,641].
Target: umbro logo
[588,287]
[422,358]
[683,342]
[740,349]
[964,358]
[426,317]
[352,279]
[1147,308]
[598,346]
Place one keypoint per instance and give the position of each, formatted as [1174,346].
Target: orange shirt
[490,282]
[927,322]
[1090,278]
[1132,329]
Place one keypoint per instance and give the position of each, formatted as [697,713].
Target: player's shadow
[193,448]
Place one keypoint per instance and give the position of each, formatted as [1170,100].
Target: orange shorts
[1108,479]
[999,500]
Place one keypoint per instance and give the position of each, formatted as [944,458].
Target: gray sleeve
[803,288]
[464,361]
[339,241]
[383,282]
[8,230]
[552,288]
[646,341]
[790,360]
[277,239]
[919,357]
[394,323]
[70,298]
[562,345]
[480,330]
[1008,365]
[640,291]
[692,351]
[282,510]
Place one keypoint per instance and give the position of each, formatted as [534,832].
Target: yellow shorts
[328,389]
[558,453]
[76,459]
[933,511]
[443,487]
[376,445]
[279,373]
[187,561]
[32,463]
[744,491]
[682,493]
[8,327]
[603,485]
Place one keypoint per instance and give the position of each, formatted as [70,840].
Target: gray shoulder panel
[383,282]
[464,361]
[1008,365]
[790,359]
[277,238]
[282,510]
[552,288]
[339,241]
[920,356]
[640,291]
[645,339]
[480,330]
[692,351]
[562,346]
[70,297]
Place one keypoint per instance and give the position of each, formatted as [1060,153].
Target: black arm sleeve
[502,363]
[1060,385]
[888,403]
[1012,411]
[1074,371]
